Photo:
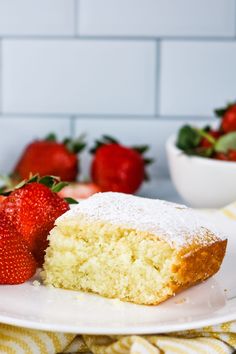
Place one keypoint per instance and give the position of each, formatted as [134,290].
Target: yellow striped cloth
[219,339]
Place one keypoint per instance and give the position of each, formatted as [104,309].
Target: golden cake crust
[196,265]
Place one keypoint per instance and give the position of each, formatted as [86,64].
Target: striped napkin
[219,339]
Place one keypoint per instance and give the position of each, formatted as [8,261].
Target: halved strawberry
[33,208]
[17,264]
[79,190]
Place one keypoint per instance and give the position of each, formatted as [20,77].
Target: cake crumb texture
[93,251]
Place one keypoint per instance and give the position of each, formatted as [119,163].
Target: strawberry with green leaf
[50,157]
[195,141]
[118,168]
[228,116]
[32,208]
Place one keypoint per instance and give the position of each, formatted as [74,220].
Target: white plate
[211,302]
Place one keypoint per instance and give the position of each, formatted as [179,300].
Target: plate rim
[141,329]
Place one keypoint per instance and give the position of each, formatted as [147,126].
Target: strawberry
[228,116]
[221,156]
[50,157]
[229,156]
[33,208]
[2,198]
[232,155]
[116,167]
[229,120]
[79,190]
[16,261]
[205,143]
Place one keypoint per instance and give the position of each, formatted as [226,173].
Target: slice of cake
[135,249]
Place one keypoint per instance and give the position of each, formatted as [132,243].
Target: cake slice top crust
[176,224]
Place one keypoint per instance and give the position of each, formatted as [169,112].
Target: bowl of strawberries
[202,161]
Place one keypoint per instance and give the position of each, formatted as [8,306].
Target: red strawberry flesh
[16,261]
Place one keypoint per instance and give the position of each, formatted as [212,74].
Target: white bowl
[201,182]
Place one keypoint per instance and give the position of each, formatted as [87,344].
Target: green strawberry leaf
[188,138]
[48,181]
[141,149]
[52,182]
[2,190]
[226,142]
[51,137]
[75,146]
[105,140]
[148,161]
[71,200]
[21,184]
[59,186]
[33,178]
[109,139]
[219,112]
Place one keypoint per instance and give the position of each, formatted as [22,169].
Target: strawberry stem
[105,140]
[51,182]
[205,135]
[141,149]
[51,137]
[219,112]
[75,146]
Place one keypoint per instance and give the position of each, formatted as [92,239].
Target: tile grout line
[1,77]
[158,77]
[76,12]
[235,18]
[74,116]
[120,38]
[72,126]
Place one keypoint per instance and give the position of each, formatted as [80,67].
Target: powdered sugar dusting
[176,224]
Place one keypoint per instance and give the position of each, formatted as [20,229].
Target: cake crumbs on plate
[36,283]
[49,286]
[180,301]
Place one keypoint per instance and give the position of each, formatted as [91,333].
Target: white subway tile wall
[136,69]
[44,17]
[88,77]
[196,77]
[154,18]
